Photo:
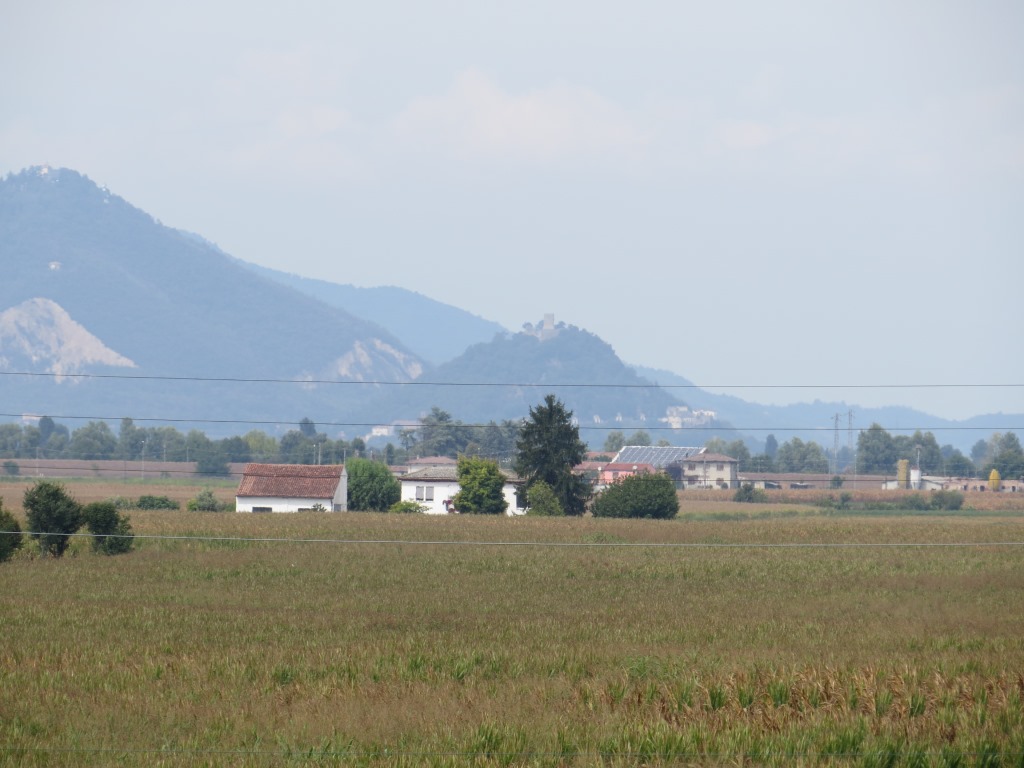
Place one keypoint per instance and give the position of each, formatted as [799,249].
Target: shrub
[53,516]
[543,502]
[916,502]
[205,501]
[748,493]
[649,495]
[11,468]
[371,486]
[111,532]
[10,534]
[950,500]
[157,502]
[406,508]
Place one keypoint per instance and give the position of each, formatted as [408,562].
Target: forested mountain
[515,371]
[161,305]
[92,285]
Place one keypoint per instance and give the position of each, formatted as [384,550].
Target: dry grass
[229,652]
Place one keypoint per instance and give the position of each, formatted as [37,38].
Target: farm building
[292,488]
[435,488]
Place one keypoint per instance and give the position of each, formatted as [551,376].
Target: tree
[10,534]
[614,442]
[543,502]
[212,462]
[111,532]
[994,480]
[646,495]
[876,452]
[441,435]
[548,449]
[307,427]
[1008,456]
[371,486]
[480,487]
[52,516]
[93,441]
[771,446]
[797,456]
[640,437]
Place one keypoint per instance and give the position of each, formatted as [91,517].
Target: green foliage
[371,486]
[406,508]
[876,452]
[52,516]
[156,502]
[205,501]
[543,502]
[646,495]
[548,449]
[614,441]
[949,500]
[10,534]
[748,493]
[11,468]
[797,456]
[836,482]
[480,487]
[111,531]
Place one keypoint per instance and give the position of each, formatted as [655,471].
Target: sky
[746,194]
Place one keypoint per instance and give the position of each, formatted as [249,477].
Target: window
[424,493]
[262,509]
[720,467]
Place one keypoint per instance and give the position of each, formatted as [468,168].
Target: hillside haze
[84,270]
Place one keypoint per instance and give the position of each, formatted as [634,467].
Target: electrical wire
[567,385]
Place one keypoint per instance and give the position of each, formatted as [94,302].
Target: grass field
[361,639]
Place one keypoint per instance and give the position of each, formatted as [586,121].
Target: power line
[500,425]
[567,385]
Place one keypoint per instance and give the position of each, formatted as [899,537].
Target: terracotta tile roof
[297,481]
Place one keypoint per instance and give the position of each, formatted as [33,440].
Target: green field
[805,639]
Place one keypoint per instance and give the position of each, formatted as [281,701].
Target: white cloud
[477,117]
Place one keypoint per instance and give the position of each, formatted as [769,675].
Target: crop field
[364,639]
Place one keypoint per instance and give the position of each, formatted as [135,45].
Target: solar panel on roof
[658,456]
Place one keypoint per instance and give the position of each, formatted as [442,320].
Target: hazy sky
[744,193]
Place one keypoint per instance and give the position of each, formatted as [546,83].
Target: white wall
[278,504]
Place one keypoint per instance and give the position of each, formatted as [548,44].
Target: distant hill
[516,370]
[436,332]
[814,421]
[79,262]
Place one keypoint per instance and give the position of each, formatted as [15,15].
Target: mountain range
[105,312]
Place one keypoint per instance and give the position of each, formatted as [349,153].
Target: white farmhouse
[435,487]
[292,488]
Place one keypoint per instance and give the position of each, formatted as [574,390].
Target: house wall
[708,475]
[340,500]
[439,491]
[446,490]
[277,504]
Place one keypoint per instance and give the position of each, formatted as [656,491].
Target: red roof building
[292,488]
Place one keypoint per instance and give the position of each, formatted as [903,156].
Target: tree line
[438,435]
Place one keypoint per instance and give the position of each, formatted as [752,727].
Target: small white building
[435,487]
[292,488]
